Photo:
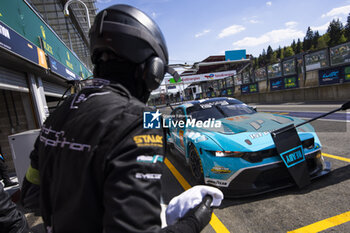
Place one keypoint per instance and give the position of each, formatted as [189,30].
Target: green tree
[274,58]
[298,48]
[288,52]
[262,61]
[255,63]
[347,29]
[282,51]
[315,39]
[269,54]
[342,39]
[308,39]
[279,52]
[294,46]
[335,31]
[259,60]
[322,41]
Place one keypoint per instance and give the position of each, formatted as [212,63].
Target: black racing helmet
[131,35]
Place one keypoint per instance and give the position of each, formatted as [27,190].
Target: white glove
[189,199]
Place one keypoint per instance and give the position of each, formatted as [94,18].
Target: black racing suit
[99,168]
[11,220]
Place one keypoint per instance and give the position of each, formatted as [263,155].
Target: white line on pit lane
[344,121]
[298,106]
[288,111]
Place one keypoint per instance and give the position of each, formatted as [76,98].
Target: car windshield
[218,110]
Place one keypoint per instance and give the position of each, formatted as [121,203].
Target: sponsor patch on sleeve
[149,159]
[148,176]
[148,140]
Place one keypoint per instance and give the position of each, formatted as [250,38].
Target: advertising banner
[250,88]
[245,89]
[230,91]
[201,77]
[291,82]
[61,70]
[229,82]
[274,70]
[347,74]
[15,43]
[221,83]
[316,60]
[234,55]
[21,18]
[276,84]
[340,54]
[223,92]
[284,83]
[330,76]
[210,94]
[289,67]
[227,92]
[246,78]
[260,74]
[237,79]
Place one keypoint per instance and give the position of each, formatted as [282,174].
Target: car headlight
[252,157]
[235,154]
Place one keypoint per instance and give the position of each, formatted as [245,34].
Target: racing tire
[196,165]
[169,149]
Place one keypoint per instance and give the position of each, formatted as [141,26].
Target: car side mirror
[253,108]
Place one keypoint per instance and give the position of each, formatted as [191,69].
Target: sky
[196,29]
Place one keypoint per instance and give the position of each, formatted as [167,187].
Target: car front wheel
[196,165]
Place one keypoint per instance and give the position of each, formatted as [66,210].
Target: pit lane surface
[323,205]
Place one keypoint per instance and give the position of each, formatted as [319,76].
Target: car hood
[252,132]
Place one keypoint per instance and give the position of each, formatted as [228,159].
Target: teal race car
[228,144]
